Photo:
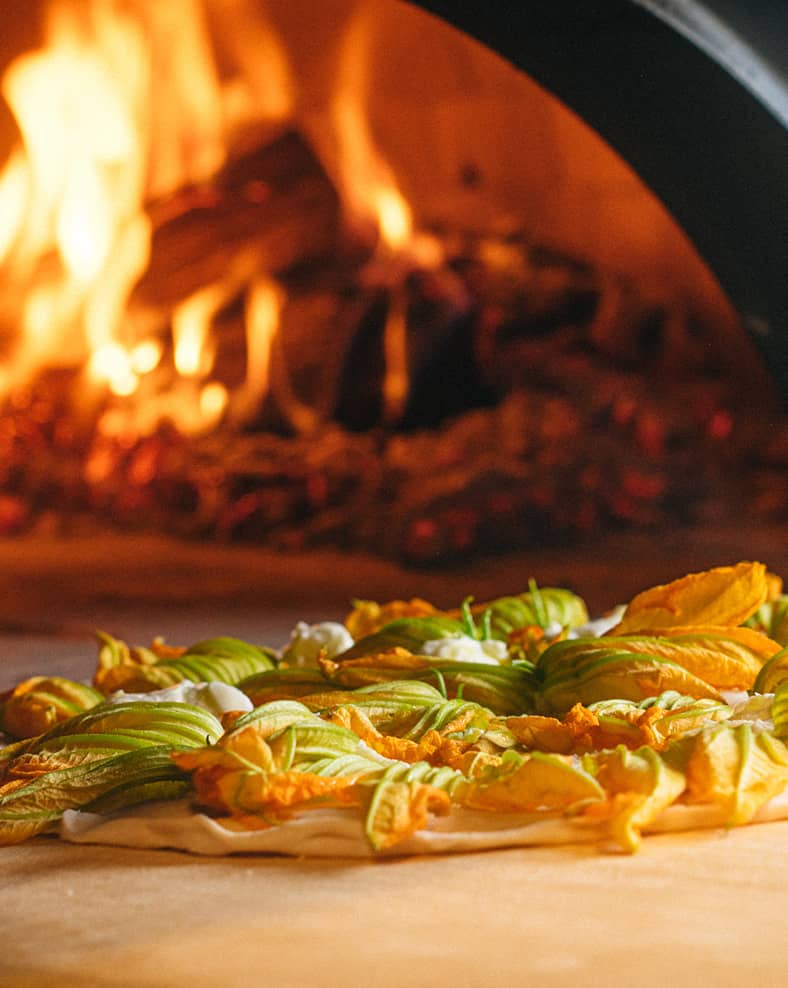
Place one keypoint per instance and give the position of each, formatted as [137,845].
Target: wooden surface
[699,908]
[696,909]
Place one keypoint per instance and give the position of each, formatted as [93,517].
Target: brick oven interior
[529,372]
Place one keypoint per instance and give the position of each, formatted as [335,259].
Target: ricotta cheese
[216,698]
[462,648]
[307,641]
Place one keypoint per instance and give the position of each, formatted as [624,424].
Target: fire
[191,324]
[122,105]
[145,356]
[195,250]
[371,191]
[373,196]
[74,183]
[394,217]
[77,181]
[112,363]
[264,304]
[213,401]
[369,186]
[13,192]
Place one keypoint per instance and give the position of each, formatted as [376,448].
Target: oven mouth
[385,361]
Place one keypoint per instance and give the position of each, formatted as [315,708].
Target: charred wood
[275,205]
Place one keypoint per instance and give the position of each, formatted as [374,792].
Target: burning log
[568,435]
[486,395]
[274,206]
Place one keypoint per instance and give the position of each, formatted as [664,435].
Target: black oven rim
[694,95]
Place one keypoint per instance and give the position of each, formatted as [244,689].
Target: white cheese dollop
[462,648]
[216,698]
[307,641]
[553,630]
[599,626]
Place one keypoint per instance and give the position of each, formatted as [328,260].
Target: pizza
[412,729]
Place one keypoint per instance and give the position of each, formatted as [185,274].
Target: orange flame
[369,186]
[77,181]
[96,145]
[263,307]
[99,143]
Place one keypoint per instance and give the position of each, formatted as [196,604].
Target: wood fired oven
[367,285]
[694,94]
